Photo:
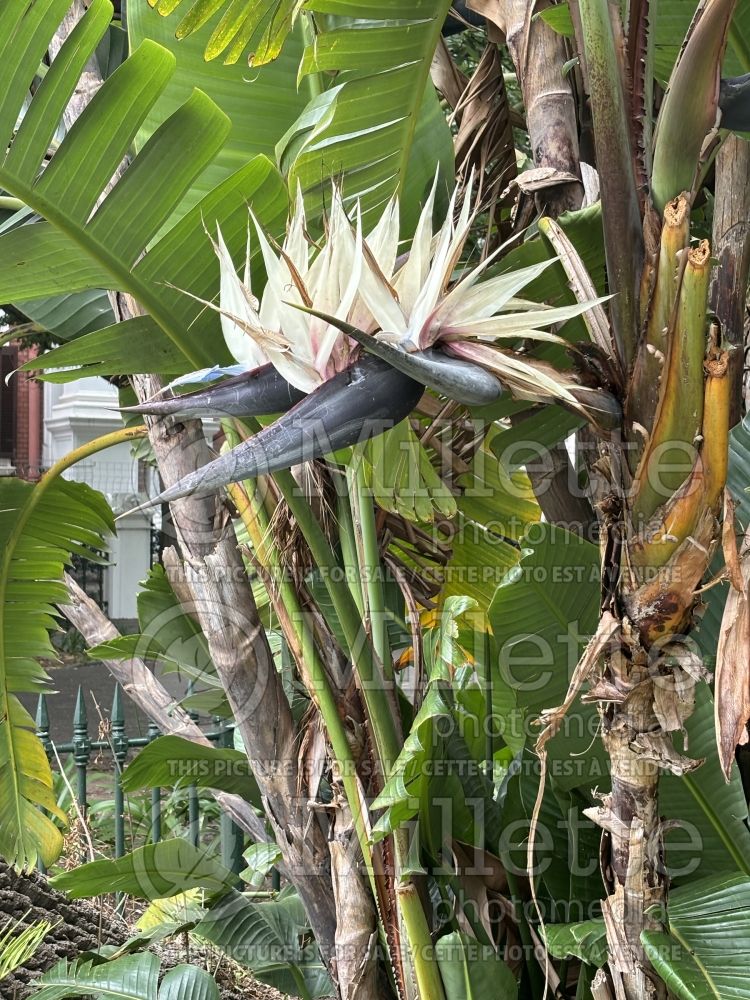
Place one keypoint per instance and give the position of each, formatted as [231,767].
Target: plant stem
[349,550]
[426,969]
[368,550]
[312,671]
[77,455]
[369,669]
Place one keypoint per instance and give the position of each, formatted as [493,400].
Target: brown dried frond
[483,141]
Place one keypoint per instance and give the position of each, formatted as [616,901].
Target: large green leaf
[471,971]
[268,938]
[542,616]
[712,836]
[131,977]
[673,19]
[566,844]
[71,315]
[262,25]
[37,542]
[188,982]
[174,762]
[155,871]
[260,105]
[185,259]
[115,231]
[586,940]
[380,125]
[704,954]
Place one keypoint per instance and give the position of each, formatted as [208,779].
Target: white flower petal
[237,299]
[412,276]
[469,301]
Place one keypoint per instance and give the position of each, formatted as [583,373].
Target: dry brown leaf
[732,678]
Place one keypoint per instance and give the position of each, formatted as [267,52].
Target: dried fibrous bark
[732,676]
[79,926]
[539,54]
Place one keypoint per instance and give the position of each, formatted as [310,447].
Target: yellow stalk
[657,303]
[701,492]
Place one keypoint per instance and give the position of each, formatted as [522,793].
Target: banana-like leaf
[563,832]
[586,940]
[261,105]
[174,762]
[263,25]
[19,941]
[36,544]
[542,615]
[155,871]
[132,977]
[188,982]
[114,232]
[472,971]
[705,950]
[380,125]
[673,19]
[71,315]
[268,938]
[402,478]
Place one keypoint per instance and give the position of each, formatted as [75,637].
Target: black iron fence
[114,741]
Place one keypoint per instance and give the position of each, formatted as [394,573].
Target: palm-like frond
[37,542]
[98,236]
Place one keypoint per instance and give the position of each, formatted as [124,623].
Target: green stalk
[349,550]
[313,673]
[366,540]
[380,716]
[426,969]
[411,912]
[679,413]
[623,236]
[688,111]
[658,295]
[53,473]
[369,669]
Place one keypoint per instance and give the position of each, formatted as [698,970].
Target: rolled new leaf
[364,400]
[252,394]
[460,380]
[689,109]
